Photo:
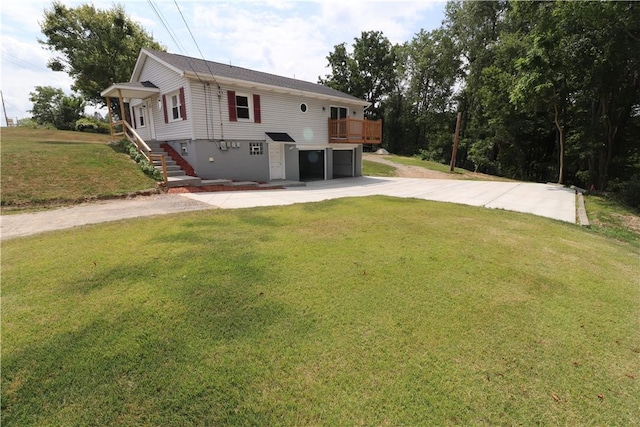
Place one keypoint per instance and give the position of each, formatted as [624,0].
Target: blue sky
[288,38]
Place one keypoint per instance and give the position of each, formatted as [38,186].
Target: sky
[287,38]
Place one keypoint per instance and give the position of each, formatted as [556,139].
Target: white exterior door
[276,161]
[149,118]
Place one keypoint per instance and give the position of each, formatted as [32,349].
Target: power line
[206,63]
[167,27]
[196,43]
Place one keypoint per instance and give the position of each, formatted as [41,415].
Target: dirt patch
[632,222]
[406,171]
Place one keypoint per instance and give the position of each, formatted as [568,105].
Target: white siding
[208,112]
[168,81]
[205,110]
[280,112]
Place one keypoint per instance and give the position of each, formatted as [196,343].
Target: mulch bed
[212,188]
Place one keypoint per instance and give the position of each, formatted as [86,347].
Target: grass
[613,219]
[427,164]
[362,311]
[370,168]
[459,173]
[49,168]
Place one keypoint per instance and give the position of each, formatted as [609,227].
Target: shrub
[628,192]
[125,146]
[90,124]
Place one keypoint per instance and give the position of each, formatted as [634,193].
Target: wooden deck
[355,131]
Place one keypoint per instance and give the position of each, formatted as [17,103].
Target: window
[174,99]
[242,107]
[173,106]
[303,107]
[256,148]
[339,113]
[142,113]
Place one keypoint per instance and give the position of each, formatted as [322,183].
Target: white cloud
[288,38]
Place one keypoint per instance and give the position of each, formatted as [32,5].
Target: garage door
[311,165]
[342,163]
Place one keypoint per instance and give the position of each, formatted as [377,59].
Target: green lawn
[49,167]
[362,311]
[370,168]
[427,164]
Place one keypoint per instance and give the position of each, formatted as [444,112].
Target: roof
[140,90]
[202,69]
[280,137]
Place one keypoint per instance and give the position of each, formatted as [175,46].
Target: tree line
[549,91]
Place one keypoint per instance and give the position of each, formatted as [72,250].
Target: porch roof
[137,90]
[279,137]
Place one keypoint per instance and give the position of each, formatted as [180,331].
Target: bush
[628,192]
[27,123]
[90,124]
[125,146]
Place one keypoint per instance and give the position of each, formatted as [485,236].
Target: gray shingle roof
[200,66]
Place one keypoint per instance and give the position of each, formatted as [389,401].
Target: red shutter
[164,108]
[257,118]
[133,117]
[231,98]
[183,107]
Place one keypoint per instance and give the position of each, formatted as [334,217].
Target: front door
[150,117]
[276,161]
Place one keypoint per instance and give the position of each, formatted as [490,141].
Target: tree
[52,106]
[95,47]
[369,72]
[543,72]
[432,69]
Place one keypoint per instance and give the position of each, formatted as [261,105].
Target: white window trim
[249,104]
[142,114]
[171,106]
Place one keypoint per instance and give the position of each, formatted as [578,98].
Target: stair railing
[144,149]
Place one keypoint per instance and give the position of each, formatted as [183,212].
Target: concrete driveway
[546,200]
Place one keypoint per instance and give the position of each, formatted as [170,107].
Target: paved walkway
[546,200]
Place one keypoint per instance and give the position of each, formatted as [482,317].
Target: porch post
[110,118]
[122,111]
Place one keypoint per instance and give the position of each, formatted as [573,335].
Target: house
[229,122]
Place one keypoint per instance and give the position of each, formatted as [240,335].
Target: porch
[355,131]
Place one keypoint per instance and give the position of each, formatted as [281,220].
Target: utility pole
[456,137]
[4,109]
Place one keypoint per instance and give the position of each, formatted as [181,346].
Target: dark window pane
[243,112]
[242,101]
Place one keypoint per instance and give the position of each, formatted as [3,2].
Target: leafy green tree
[52,107]
[432,69]
[95,47]
[369,72]
[543,72]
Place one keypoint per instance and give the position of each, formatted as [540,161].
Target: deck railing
[355,131]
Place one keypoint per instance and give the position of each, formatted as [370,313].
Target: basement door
[276,161]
